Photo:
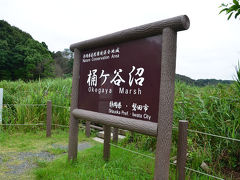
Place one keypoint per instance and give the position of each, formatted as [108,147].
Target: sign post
[1,104]
[126,80]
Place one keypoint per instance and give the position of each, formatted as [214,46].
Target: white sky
[209,49]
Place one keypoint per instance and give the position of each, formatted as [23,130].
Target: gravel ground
[16,165]
[81,146]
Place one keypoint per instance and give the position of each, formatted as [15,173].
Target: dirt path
[18,165]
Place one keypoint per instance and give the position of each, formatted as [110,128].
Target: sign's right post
[166,102]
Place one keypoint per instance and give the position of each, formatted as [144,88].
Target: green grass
[90,165]
[34,141]
[13,143]
[123,165]
[35,92]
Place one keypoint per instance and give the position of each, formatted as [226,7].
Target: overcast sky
[209,49]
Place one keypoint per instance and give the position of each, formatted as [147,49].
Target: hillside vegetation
[22,57]
[201,82]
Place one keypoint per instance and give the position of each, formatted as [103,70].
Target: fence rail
[209,134]
[190,130]
[214,135]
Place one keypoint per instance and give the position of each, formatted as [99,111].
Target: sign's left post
[1,104]
[73,129]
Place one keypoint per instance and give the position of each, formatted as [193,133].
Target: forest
[22,57]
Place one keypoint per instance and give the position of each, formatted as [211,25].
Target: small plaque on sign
[122,79]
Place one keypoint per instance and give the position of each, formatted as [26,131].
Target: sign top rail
[178,23]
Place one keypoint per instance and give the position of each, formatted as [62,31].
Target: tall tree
[63,62]
[22,57]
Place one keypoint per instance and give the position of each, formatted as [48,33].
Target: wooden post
[115,135]
[73,129]
[88,130]
[166,102]
[107,138]
[49,119]
[182,149]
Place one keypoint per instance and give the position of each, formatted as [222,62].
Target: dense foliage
[210,109]
[22,57]
[19,94]
[63,63]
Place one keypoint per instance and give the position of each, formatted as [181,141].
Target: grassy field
[17,96]
[210,109]
[21,151]
[90,165]
[123,164]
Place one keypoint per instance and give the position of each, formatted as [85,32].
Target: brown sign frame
[168,28]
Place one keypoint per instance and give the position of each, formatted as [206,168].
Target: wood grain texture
[106,145]
[49,119]
[182,149]
[73,129]
[166,100]
[144,127]
[178,23]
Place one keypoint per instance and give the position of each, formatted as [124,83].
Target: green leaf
[234,8]
[230,15]
[236,2]
[228,11]
[237,14]
[225,9]
[223,5]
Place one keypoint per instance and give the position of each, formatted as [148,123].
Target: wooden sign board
[126,80]
[122,79]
